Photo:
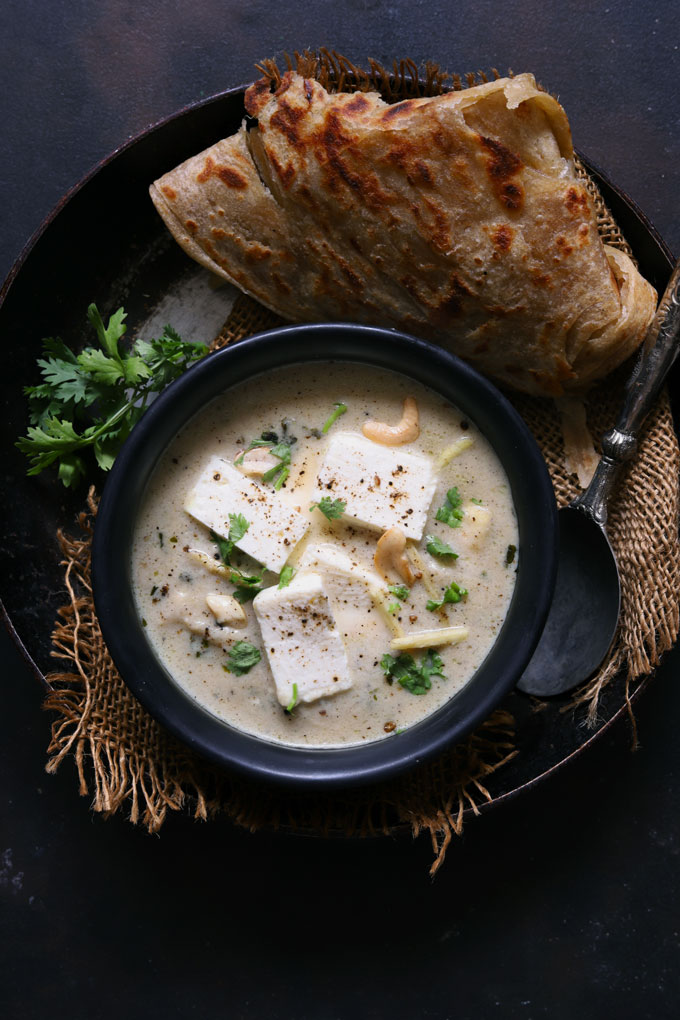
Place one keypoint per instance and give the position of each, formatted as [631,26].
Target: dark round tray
[105,243]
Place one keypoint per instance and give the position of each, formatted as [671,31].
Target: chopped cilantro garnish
[477,501]
[339,410]
[95,398]
[242,657]
[451,512]
[454,593]
[330,508]
[394,607]
[247,585]
[294,699]
[436,547]
[279,448]
[413,676]
[238,526]
[400,591]
[286,576]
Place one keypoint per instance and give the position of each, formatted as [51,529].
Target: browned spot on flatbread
[257,96]
[331,140]
[452,304]
[286,119]
[356,104]
[397,110]
[576,200]
[169,192]
[501,237]
[435,226]
[563,246]
[232,178]
[257,252]
[501,167]
[285,174]
[540,278]
[191,225]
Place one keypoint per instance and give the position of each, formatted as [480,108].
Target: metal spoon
[585,609]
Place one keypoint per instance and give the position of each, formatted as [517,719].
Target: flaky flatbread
[458,218]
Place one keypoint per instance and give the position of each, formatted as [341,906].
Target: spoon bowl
[585,608]
[584,613]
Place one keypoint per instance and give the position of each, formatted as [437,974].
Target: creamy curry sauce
[171,584]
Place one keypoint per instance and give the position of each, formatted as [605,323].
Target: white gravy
[169,583]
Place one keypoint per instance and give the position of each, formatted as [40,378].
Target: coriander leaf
[332,509]
[286,576]
[100,367]
[281,478]
[454,593]
[400,591]
[245,594]
[117,384]
[71,470]
[244,580]
[413,677]
[436,547]
[238,526]
[451,512]
[294,699]
[242,657]
[109,337]
[394,607]
[337,413]
[282,452]
[224,546]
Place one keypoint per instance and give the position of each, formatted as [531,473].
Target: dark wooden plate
[104,242]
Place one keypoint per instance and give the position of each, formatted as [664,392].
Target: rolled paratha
[458,218]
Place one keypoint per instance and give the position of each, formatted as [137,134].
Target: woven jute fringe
[126,762]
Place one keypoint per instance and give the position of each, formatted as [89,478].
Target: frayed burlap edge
[137,766]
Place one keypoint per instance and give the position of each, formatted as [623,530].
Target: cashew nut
[390,554]
[258,461]
[225,609]
[406,431]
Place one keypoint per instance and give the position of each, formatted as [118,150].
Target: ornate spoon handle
[657,356]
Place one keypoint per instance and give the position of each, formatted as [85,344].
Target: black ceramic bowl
[534,502]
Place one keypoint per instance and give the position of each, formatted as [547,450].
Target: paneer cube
[302,641]
[344,580]
[275,527]
[382,486]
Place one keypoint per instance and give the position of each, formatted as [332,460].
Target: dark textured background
[561,904]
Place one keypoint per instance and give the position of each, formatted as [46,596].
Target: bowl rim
[304,767]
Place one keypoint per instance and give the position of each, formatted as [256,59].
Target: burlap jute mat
[126,762]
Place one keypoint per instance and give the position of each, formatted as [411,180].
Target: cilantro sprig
[338,409]
[293,700]
[242,657]
[279,448]
[451,512]
[332,509]
[93,400]
[436,547]
[247,585]
[286,576]
[415,677]
[454,593]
